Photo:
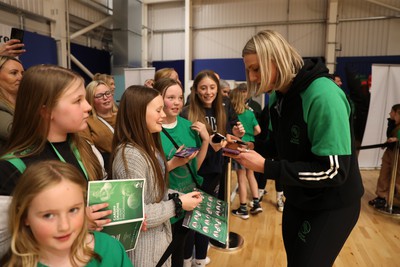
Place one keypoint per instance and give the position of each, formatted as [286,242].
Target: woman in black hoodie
[312,129]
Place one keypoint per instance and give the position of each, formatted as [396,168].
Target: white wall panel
[220,43]
[33,6]
[166,46]
[76,8]
[307,10]
[222,13]
[364,9]
[166,16]
[155,47]
[364,38]
[174,46]
[308,39]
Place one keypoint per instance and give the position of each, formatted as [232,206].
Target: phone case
[17,34]
[230,151]
[186,152]
[217,138]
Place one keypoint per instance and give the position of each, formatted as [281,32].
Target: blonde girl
[48,222]
[250,124]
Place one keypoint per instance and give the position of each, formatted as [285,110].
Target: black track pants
[315,238]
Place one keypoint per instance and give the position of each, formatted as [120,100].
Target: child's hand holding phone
[186,152]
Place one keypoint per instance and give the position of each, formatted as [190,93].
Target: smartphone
[17,34]
[186,152]
[240,142]
[230,151]
[217,138]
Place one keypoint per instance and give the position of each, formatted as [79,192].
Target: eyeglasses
[101,95]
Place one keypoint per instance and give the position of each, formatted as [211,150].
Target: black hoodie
[312,130]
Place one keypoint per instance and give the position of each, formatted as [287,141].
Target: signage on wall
[5,31]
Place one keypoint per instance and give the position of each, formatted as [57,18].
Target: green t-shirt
[180,178]
[249,121]
[111,251]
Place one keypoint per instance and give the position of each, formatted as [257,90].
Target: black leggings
[262,182]
[177,245]
[315,238]
[196,240]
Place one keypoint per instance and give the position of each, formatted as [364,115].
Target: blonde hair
[3,98]
[107,79]
[103,77]
[90,92]
[163,73]
[238,100]
[43,86]
[272,48]
[37,178]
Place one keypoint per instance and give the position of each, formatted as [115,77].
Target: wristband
[178,204]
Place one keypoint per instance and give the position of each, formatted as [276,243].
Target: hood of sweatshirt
[312,69]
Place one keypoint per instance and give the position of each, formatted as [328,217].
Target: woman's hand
[95,216]
[249,159]
[12,48]
[238,129]
[202,130]
[190,200]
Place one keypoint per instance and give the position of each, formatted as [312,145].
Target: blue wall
[41,49]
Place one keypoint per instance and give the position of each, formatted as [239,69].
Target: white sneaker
[188,262]
[280,204]
[199,263]
[207,261]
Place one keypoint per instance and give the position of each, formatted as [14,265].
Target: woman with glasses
[101,121]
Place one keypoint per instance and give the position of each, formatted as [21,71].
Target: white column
[188,46]
[331,27]
[56,9]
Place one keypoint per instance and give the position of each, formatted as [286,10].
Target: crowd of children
[64,135]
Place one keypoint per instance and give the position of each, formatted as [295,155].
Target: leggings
[176,247]
[262,182]
[195,239]
[315,238]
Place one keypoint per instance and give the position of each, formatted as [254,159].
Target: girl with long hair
[207,106]
[50,111]
[137,153]
[250,124]
[177,134]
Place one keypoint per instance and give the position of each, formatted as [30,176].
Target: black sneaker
[378,202]
[240,213]
[256,209]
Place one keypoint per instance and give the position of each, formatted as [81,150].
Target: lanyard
[76,154]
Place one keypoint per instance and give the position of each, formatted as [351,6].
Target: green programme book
[125,199]
[209,218]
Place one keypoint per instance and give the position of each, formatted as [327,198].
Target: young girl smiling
[48,222]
